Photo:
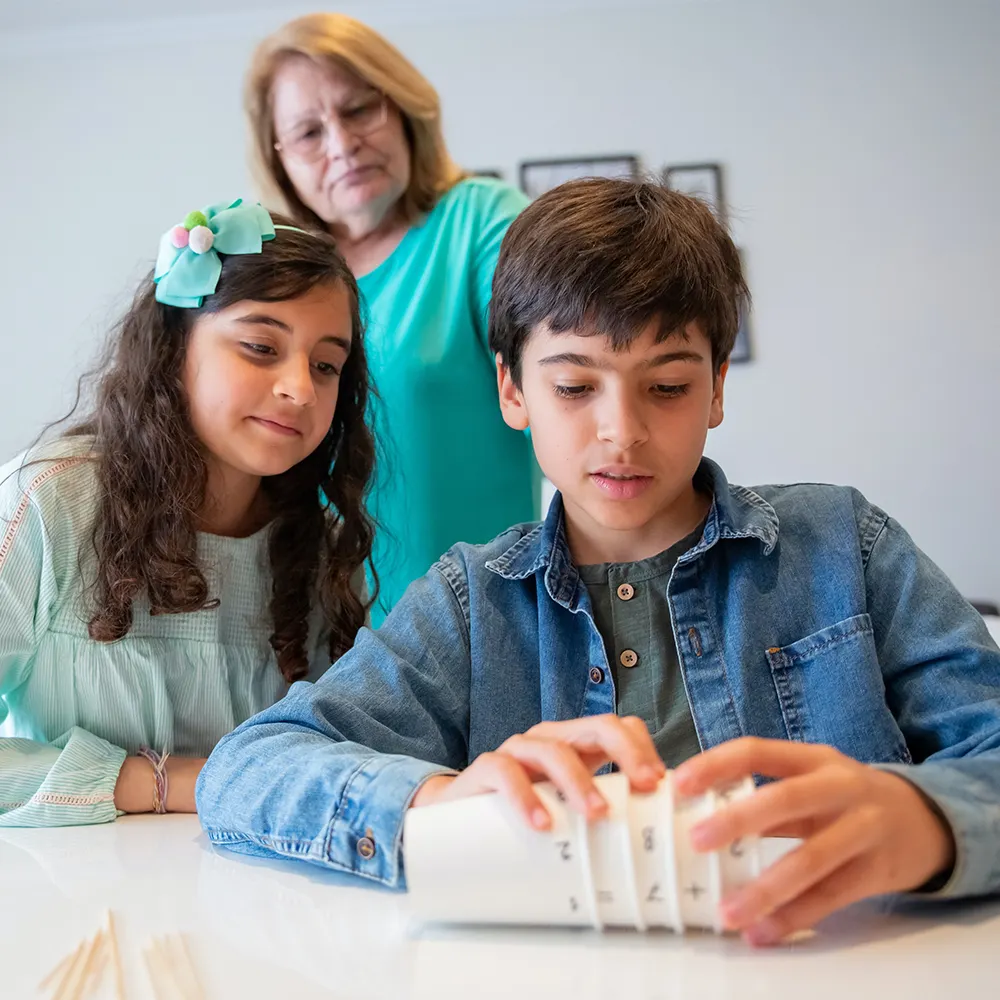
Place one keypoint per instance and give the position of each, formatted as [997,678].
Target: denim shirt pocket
[831,691]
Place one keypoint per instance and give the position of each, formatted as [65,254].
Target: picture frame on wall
[700,180]
[538,176]
[742,347]
[498,174]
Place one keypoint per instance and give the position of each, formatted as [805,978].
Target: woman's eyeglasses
[310,139]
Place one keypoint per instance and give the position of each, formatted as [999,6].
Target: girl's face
[356,181]
[262,379]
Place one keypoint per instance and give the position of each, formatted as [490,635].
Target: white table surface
[281,929]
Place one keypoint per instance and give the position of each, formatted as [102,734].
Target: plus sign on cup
[476,861]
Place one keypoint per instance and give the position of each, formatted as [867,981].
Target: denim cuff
[365,836]
[972,811]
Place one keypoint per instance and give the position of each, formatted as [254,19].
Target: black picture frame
[743,347]
[700,180]
[741,351]
[538,176]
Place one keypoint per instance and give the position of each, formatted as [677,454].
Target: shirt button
[629,658]
[366,847]
[596,675]
[626,592]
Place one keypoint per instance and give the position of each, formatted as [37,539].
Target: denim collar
[736,512]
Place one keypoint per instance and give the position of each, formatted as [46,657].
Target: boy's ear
[512,407]
[715,413]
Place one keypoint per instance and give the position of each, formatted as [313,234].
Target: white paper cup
[651,824]
[476,860]
[773,849]
[611,857]
[699,880]
[740,862]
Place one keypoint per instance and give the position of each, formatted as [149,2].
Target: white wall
[860,139]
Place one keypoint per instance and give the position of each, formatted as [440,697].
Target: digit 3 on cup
[652,832]
[678,887]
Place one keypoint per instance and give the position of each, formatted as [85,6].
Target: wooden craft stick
[60,968]
[168,966]
[161,973]
[78,970]
[116,957]
[93,978]
[199,991]
[93,950]
[96,949]
[178,957]
[152,970]
[79,956]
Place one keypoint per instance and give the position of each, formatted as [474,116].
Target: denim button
[626,592]
[629,658]
[366,848]
[596,675]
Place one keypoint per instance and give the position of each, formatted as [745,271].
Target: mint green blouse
[71,708]
[451,469]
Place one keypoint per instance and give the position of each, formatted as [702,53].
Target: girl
[195,544]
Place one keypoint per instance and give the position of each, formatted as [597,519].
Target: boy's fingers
[643,742]
[561,764]
[506,776]
[626,741]
[840,889]
[779,806]
[748,755]
[797,872]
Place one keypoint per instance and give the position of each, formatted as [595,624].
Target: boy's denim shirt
[804,613]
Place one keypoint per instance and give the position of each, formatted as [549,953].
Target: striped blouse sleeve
[71,780]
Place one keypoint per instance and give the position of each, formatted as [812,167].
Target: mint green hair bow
[188,264]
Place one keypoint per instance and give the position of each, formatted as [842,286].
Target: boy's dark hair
[607,257]
[152,474]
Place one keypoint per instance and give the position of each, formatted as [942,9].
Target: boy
[794,632]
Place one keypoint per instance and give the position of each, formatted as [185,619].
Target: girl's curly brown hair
[153,477]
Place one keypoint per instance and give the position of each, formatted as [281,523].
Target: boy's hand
[865,832]
[565,753]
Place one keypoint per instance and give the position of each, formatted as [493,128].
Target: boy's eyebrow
[585,361]
[263,319]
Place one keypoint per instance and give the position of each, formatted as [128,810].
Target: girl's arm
[72,779]
[134,788]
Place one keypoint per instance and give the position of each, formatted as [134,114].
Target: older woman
[347,133]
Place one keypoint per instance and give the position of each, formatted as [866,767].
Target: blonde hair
[345,42]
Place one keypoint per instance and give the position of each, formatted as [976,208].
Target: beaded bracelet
[159,764]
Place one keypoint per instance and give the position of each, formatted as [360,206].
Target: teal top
[72,708]
[631,611]
[451,470]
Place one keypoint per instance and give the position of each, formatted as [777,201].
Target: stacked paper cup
[477,861]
